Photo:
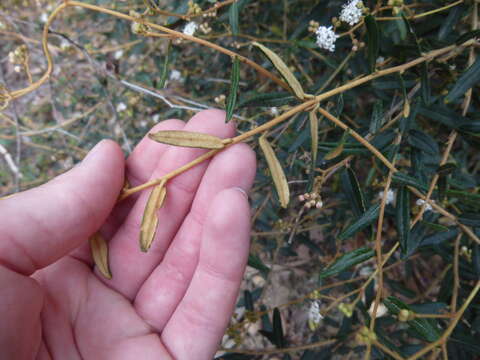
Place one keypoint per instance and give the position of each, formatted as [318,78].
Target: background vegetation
[375,252]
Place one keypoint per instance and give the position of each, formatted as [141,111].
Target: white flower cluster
[352,12]
[314,315]
[176,75]
[390,196]
[428,207]
[326,38]
[190,28]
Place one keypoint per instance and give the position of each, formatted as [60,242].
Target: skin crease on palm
[173,302]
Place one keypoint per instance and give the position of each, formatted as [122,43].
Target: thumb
[39,226]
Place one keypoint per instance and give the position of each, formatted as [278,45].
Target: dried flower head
[326,38]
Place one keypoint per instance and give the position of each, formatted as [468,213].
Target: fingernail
[92,153]
[242,191]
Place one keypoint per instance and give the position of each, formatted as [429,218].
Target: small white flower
[390,196]
[44,18]
[366,271]
[121,107]
[381,310]
[380,60]
[176,75]
[314,315]
[274,111]
[351,12]
[326,38]
[428,207]
[190,28]
[17,68]
[64,45]
[118,54]
[156,118]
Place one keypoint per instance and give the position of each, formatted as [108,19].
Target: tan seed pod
[314,134]
[188,139]
[99,250]
[279,178]
[283,69]
[150,218]
[334,152]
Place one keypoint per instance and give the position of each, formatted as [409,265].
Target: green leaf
[403,216]
[248,300]
[348,260]
[257,263]
[423,327]
[446,169]
[471,127]
[443,115]
[404,179]
[476,260]
[372,41]
[467,36]
[470,219]
[278,337]
[377,117]
[353,192]
[449,23]
[469,78]
[233,17]
[232,96]
[361,223]
[337,151]
[425,83]
[268,100]
[422,141]
[163,77]
[415,239]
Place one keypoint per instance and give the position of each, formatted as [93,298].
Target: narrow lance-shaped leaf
[187,139]
[232,96]
[99,250]
[468,79]
[150,218]
[347,261]
[163,77]
[377,117]
[279,178]
[404,179]
[352,190]
[373,43]
[314,134]
[233,17]
[366,219]
[426,88]
[284,70]
[268,100]
[467,36]
[423,327]
[248,300]
[278,329]
[339,149]
[403,216]
[257,263]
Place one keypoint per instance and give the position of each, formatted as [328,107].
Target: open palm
[173,302]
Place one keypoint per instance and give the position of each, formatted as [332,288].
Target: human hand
[173,302]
